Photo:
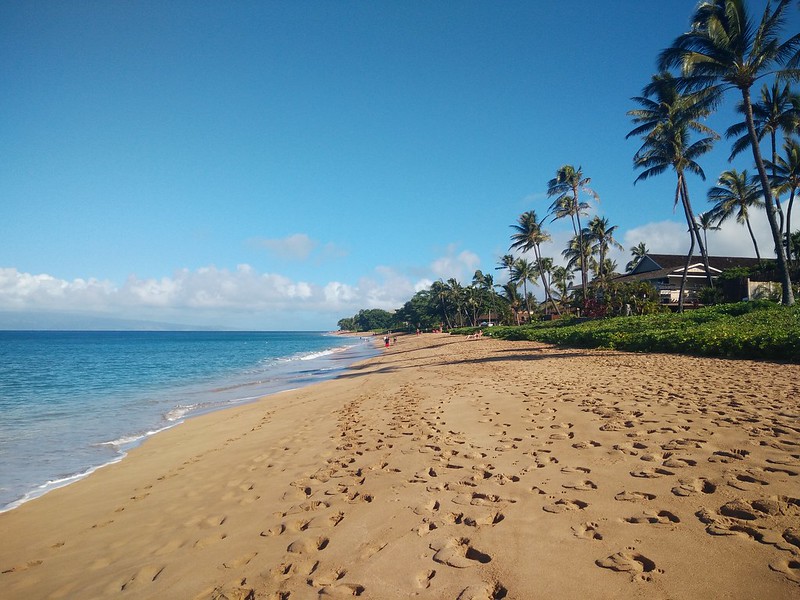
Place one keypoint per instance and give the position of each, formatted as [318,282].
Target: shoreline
[486,469]
[328,361]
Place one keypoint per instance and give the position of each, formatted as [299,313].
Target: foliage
[757,330]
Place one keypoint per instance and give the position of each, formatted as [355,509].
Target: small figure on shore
[386,341]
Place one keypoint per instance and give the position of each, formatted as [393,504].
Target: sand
[447,468]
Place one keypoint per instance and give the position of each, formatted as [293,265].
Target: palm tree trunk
[696,228]
[753,237]
[527,299]
[537,253]
[774,162]
[580,241]
[789,222]
[787,297]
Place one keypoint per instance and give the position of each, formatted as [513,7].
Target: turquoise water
[71,402]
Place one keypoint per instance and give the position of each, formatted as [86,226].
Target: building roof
[660,266]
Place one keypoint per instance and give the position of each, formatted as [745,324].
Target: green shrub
[760,330]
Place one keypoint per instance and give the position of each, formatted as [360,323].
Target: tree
[511,297]
[529,235]
[576,248]
[776,111]
[638,252]
[734,195]
[725,50]
[601,240]
[440,292]
[566,186]
[705,220]
[786,178]
[506,262]
[562,277]
[346,324]
[524,271]
[665,122]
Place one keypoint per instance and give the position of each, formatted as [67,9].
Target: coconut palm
[638,252]
[666,120]
[506,262]
[786,179]
[440,292]
[566,187]
[705,220]
[577,251]
[734,195]
[529,235]
[524,272]
[458,298]
[777,110]
[511,296]
[561,278]
[724,49]
[601,240]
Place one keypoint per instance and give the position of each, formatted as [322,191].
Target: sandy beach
[447,468]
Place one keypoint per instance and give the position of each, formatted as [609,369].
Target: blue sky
[279,165]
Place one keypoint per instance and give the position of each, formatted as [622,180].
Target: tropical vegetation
[728,48]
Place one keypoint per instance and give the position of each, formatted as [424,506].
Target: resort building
[665,271]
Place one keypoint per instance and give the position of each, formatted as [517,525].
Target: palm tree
[524,271]
[511,296]
[777,110]
[735,194]
[561,278]
[666,122]
[724,50]
[601,239]
[458,298]
[485,283]
[638,252]
[529,235]
[440,292]
[577,251]
[506,262]
[705,220]
[786,178]
[566,186]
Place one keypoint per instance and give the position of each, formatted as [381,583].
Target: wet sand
[447,468]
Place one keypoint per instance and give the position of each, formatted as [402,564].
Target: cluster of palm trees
[587,250]
[726,50]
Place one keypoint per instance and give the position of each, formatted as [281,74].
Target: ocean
[74,401]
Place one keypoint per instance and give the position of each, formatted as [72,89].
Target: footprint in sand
[638,565]
[485,591]
[307,545]
[342,590]
[147,574]
[587,531]
[788,568]
[652,473]
[560,506]
[634,496]
[581,486]
[424,579]
[458,553]
[662,517]
[690,487]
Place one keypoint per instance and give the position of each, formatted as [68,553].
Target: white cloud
[241,297]
[672,237]
[459,265]
[297,246]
